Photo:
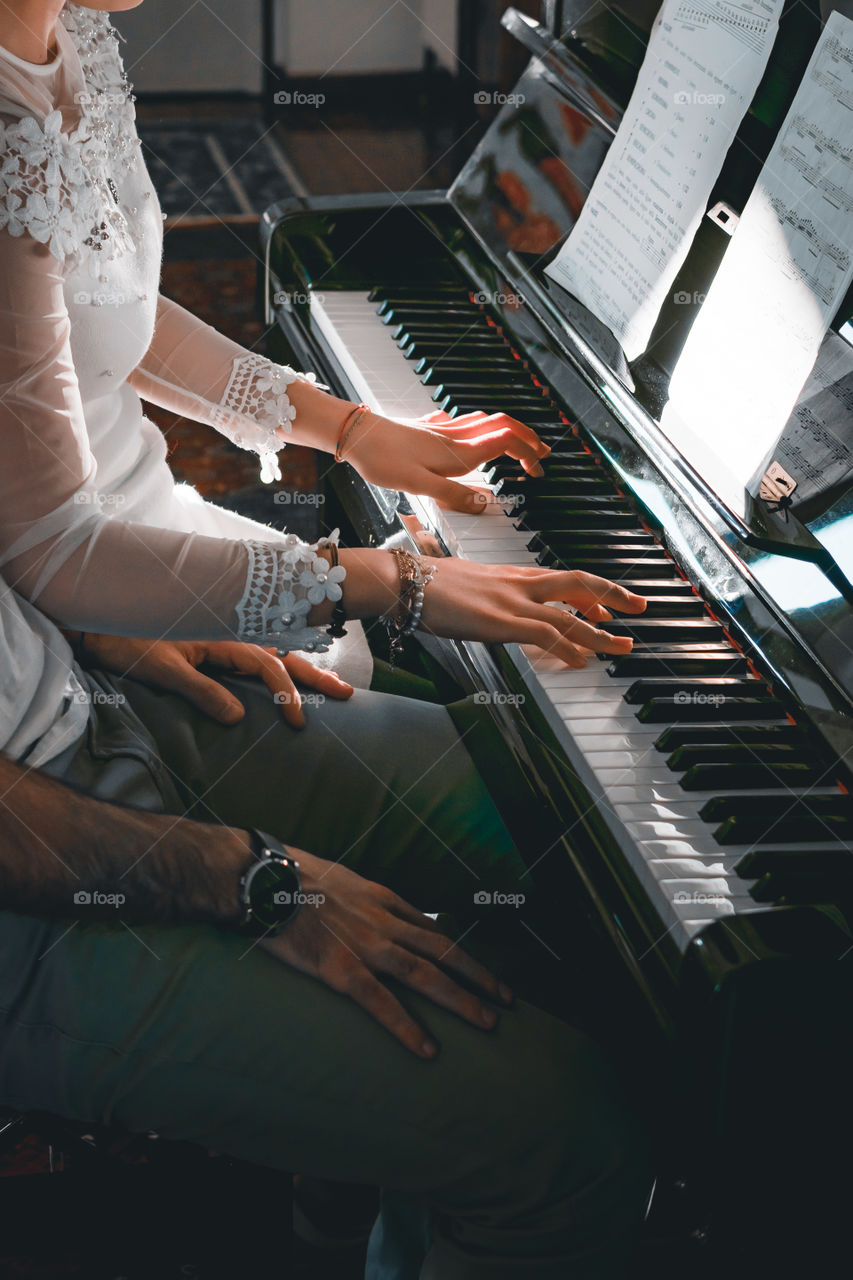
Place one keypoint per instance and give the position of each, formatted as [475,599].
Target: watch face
[274,893]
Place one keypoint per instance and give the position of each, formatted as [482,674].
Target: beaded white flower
[282,584]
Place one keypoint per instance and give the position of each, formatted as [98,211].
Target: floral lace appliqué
[257,393]
[59,187]
[282,584]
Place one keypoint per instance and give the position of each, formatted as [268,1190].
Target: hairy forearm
[65,854]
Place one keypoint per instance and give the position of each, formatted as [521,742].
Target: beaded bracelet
[413,582]
[336,628]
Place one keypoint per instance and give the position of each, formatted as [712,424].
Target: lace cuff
[257,394]
[282,584]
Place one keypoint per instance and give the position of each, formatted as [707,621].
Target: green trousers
[512,1154]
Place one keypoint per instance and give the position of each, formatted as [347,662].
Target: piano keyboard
[709,788]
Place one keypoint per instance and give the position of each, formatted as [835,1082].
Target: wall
[176,46]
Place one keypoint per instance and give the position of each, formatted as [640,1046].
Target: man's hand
[361,932]
[173,665]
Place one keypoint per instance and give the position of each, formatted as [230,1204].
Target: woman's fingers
[451,494]
[208,695]
[327,682]
[586,590]
[495,444]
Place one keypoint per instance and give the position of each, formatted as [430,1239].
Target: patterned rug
[209,166]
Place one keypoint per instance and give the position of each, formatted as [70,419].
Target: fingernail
[488,1017]
[504,992]
[429,1049]
[232,713]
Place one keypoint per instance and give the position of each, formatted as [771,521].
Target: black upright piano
[696,793]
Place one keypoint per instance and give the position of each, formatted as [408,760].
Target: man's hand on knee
[352,933]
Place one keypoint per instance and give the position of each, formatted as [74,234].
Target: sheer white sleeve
[63,543]
[193,369]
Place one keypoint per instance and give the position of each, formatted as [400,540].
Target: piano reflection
[689,808]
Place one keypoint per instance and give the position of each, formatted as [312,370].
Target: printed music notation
[782,280]
[817,443]
[702,66]
[827,258]
[741,20]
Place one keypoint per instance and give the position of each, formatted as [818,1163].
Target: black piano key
[804,887]
[433,291]
[450,326]
[617,568]
[435,347]
[662,586]
[530,416]
[828,862]
[736,753]
[431,371]
[675,606]
[740,776]
[511,389]
[644,662]
[574,466]
[414,308]
[780,819]
[642,691]
[681,735]
[672,711]
[537,516]
[492,401]
[660,629]
[627,540]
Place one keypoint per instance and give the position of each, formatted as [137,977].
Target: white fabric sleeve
[66,548]
[194,370]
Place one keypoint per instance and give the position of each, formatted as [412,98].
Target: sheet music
[703,64]
[784,275]
[817,443]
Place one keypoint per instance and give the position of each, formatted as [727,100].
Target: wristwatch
[270,891]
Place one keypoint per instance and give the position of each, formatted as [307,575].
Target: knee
[559,1142]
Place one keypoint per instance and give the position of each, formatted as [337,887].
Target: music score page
[781,281]
[703,64]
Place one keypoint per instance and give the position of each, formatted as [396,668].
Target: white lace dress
[93,527]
